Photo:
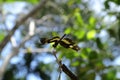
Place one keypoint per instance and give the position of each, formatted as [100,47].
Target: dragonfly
[65,42]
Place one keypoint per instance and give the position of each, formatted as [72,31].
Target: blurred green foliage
[30,1]
[107,6]
[84,28]
[2,35]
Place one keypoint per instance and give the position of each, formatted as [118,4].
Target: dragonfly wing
[69,41]
[54,39]
[75,47]
[66,42]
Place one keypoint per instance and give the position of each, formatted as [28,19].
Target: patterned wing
[45,40]
[75,47]
[54,39]
[68,43]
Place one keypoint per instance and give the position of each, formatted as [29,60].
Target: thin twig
[59,63]
[59,77]
[36,50]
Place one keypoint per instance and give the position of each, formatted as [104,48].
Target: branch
[68,72]
[22,20]
[14,52]
[38,50]
[64,68]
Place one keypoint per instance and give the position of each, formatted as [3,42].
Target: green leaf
[8,75]
[99,43]
[84,54]
[68,30]
[106,4]
[54,33]
[79,19]
[75,63]
[84,69]
[93,55]
[33,1]
[79,34]
[99,66]
[2,35]
[30,1]
[9,1]
[91,22]
[90,76]
[91,34]
[111,75]
[68,53]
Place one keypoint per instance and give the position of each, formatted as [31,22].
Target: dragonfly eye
[43,40]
